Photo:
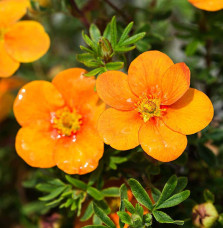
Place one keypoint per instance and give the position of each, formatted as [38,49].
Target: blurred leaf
[56,192]
[93,192]
[88,212]
[207,155]
[94,33]
[76,183]
[125,217]
[114,65]
[111,192]
[209,196]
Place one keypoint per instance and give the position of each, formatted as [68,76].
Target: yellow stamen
[67,122]
[149,108]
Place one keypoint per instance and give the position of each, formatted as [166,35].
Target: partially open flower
[204,215]
[58,122]
[152,106]
[209,5]
[20,42]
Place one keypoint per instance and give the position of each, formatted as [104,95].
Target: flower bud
[204,215]
[105,49]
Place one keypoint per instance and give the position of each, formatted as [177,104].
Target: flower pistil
[149,107]
[66,122]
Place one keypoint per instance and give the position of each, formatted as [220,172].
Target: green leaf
[68,202]
[124,49]
[129,206]
[162,217]
[115,66]
[113,32]
[103,205]
[93,192]
[209,196]
[56,192]
[86,49]
[181,184]
[133,39]
[54,202]
[45,187]
[89,42]
[126,32]
[125,217]
[123,196]
[57,182]
[88,212]
[111,192]
[220,219]
[175,199]
[192,47]
[85,57]
[94,226]
[76,183]
[104,218]
[156,194]
[73,206]
[143,45]
[94,33]
[169,187]
[140,194]
[95,72]
[107,32]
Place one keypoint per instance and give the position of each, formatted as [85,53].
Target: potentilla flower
[152,106]
[20,41]
[209,5]
[58,122]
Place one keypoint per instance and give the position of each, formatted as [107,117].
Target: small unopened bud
[204,215]
[105,49]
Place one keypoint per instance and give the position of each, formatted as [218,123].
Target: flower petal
[76,89]
[190,114]
[11,11]
[113,89]
[79,155]
[120,128]
[161,143]
[209,5]
[26,41]
[8,66]
[35,146]
[174,83]
[35,101]
[146,71]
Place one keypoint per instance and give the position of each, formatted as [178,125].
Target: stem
[76,12]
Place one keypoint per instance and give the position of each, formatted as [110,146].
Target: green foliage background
[175,27]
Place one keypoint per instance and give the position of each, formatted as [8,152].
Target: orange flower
[209,5]
[23,41]
[152,106]
[7,86]
[58,122]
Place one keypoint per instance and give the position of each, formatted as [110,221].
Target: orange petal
[6,102]
[161,143]
[26,41]
[11,11]
[174,83]
[75,88]
[79,155]
[209,5]
[146,71]
[113,88]
[120,128]
[35,101]
[35,146]
[190,114]
[8,66]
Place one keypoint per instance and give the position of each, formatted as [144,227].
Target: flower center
[67,122]
[149,108]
